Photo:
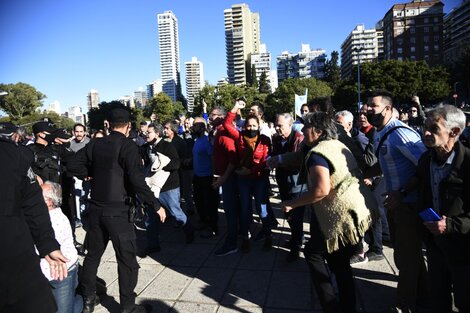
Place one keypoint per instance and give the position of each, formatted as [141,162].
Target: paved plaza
[190,278]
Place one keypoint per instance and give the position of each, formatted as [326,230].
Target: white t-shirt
[63,235]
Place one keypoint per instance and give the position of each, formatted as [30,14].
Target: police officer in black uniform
[114,168]
[24,221]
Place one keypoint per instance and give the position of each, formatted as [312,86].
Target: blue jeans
[170,200]
[64,292]
[151,224]
[381,225]
[257,188]
[231,208]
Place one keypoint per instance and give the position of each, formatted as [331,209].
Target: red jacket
[262,148]
[224,151]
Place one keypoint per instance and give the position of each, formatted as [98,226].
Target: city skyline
[66,49]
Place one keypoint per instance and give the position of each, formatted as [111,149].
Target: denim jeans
[231,203]
[380,226]
[170,200]
[257,188]
[64,292]
[151,224]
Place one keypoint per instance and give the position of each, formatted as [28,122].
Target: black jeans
[338,262]
[122,235]
[206,200]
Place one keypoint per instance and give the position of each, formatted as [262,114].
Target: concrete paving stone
[208,286]
[388,252]
[257,258]
[247,288]
[168,252]
[170,283]
[280,263]
[224,309]
[192,255]
[375,294]
[108,272]
[289,290]
[147,274]
[182,307]
[228,262]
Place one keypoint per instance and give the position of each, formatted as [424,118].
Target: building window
[426,20]
[436,38]
[426,48]
[399,50]
[412,58]
[426,29]
[426,39]
[426,57]
[400,59]
[412,30]
[436,47]
[436,20]
[412,40]
[399,41]
[436,28]
[412,49]
[410,22]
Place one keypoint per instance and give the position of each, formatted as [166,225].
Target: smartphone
[429,215]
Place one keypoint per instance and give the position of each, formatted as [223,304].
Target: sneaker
[374,256]
[358,259]
[226,251]
[245,245]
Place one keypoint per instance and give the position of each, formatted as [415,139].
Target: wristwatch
[403,192]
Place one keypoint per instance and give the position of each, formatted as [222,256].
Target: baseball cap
[7,128]
[119,116]
[44,126]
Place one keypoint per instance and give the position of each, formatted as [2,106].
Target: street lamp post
[358,50]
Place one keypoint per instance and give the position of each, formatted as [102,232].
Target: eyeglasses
[413,110]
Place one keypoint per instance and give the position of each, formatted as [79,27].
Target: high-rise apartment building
[93,99]
[414,31]
[54,106]
[304,64]
[75,113]
[456,31]
[242,38]
[140,97]
[194,80]
[169,54]
[261,63]
[154,88]
[361,45]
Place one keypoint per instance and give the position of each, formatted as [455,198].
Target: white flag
[299,100]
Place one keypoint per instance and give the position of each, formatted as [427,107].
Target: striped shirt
[399,155]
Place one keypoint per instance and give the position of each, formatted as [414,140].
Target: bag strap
[384,137]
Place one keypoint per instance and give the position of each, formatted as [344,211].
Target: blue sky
[64,48]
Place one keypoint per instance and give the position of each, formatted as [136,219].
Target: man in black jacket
[114,167]
[443,176]
[24,221]
[170,192]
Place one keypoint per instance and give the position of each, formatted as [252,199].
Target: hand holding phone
[429,215]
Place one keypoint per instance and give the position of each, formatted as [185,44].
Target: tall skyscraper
[242,38]
[194,80]
[304,64]
[361,45]
[75,113]
[140,97]
[414,31]
[54,107]
[93,99]
[169,54]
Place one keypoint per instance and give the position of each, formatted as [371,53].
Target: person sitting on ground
[63,290]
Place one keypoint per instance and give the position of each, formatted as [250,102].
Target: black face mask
[49,138]
[250,133]
[375,119]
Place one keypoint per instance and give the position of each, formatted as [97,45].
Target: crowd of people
[364,180]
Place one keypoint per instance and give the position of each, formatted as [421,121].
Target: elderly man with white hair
[63,290]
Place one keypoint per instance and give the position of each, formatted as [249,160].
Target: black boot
[89,303]
[188,232]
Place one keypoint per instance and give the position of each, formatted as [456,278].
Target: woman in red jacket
[253,150]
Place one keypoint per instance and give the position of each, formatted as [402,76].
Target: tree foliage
[162,106]
[264,84]
[283,99]
[22,100]
[333,71]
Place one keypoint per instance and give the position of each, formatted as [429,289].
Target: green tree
[27,121]
[333,71]
[162,106]
[283,99]
[263,84]
[22,99]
